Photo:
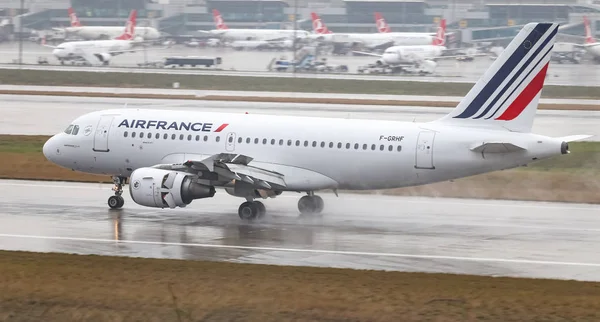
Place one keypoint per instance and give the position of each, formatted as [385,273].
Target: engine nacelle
[163,188]
[104,57]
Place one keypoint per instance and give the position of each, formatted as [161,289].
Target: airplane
[591,45]
[171,158]
[96,52]
[227,34]
[368,40]
[104,32]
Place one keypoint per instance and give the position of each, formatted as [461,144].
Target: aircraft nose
[51,149]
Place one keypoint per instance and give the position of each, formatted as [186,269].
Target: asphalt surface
[48,115]
[521,239]
[255,64]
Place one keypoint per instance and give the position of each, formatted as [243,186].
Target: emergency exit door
[424,153]
[230,142]
[102,130]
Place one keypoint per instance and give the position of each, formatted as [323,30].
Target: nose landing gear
[117,201]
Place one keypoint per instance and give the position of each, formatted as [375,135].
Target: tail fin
[507,95]
[219,20]
[73,17]
[129,31]
[440,36]
[382,25]
[318,25]
[589,36]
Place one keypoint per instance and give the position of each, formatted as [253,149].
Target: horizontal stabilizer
[572,138]
[497,147]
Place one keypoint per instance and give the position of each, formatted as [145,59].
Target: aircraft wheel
[116,202]
[262,210]
[248,210]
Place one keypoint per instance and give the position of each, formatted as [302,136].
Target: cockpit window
[69,129]
[75,130]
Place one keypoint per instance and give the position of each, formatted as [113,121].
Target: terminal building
[468,21]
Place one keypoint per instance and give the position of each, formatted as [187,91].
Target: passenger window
[364,146]
[280,142]
[141,135]
[289,142]
[339,145]
[399,148]
[256,141]
[305,143]
[272,141]
[132,134]
[125,134]
[189,137]
[205,138]
[69,129]
[322,144]
[390,148]
[173,136]
[264,141]
[149,135]
[165,136]
[240,140]
[381,147]
[331,144]
[230,139]
[197,137]
[297,142]
[314,144]
[218,138]
[355,146]
[181,137]
[157,136]
[373,147]
[75,130]
[347,145]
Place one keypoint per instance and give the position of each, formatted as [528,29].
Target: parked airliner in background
[368,40]
[97,52]
[104,32]
[591,45]
[174,157]
[233,34]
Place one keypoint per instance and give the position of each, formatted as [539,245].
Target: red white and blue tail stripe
[507,95]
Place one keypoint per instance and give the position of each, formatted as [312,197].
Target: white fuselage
[311,153]
[258,34]
[110,32]
[75,48]
[593,49]
[377,39]
[410,54]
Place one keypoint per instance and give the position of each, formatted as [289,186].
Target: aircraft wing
[229,166]
[366,53]
[497,147]
[458,56]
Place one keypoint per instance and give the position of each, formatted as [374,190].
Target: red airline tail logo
[73,17]
[219,20]
[440,36]
[382,26]
[589,37]
[129,27]
[318,25]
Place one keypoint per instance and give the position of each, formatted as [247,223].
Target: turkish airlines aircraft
[96,52]
[174,157]
[368,40]
[252,34]
[104,32]
[591,45]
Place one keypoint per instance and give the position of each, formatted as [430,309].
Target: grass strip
[62,287]
[569,178]
[274,84]
[303,100]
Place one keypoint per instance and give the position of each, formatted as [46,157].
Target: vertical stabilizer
[507,95]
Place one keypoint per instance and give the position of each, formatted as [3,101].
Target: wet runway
[47,115]
[522,239]
[251,63]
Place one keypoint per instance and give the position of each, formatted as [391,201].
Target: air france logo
[73,19]
[219,22]
[178,126]
[381,25]
[440,36]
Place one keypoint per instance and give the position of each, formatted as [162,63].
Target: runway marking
[314,251]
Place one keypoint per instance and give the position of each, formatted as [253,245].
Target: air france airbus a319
[173,157]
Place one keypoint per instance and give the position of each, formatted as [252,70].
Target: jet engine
[163,188]
[104,58]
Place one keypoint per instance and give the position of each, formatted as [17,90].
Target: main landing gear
[117,201]
[309,204]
